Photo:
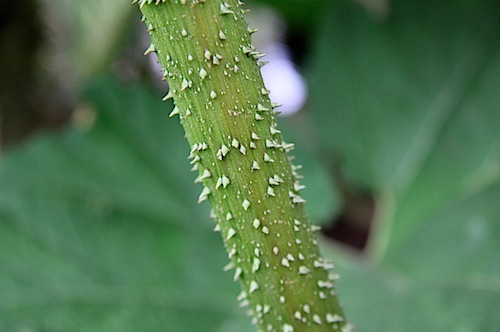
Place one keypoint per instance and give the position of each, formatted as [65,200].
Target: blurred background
[394,107]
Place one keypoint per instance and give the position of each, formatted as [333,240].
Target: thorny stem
[214,75]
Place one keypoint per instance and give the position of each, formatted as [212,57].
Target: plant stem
[214,75]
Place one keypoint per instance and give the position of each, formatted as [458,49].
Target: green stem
[213,70]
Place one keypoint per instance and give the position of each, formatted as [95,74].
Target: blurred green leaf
[98,231]
[299,13]
[410,104]
[86,35]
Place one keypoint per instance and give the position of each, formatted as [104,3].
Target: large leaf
[411,105]
[99,232]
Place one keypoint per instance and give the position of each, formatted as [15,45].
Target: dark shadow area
[352,226]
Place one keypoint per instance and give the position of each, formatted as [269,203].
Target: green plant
[99,226]
[214,77]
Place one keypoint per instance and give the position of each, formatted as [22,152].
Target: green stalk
[214,75]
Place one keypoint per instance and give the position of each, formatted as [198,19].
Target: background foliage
[99,230]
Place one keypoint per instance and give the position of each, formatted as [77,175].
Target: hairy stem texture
[205,49]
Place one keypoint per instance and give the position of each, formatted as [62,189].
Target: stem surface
[214,76]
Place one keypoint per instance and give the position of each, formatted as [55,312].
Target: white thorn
[315,228]
[261,108]
[150,49]
[333,318]
[185,84]
[298,200]
[303,270]
[204,194]
[256,223]
[219,183]
[268,158]
[272,181]
[317,319]
[253,286]
[225,181]
[243,150]
[298,187]
[256,265]
[231,233]
[207,54]
[224,8]
[175,111]
[222,35]
[243,295]
[265,230]
[246,49]
[251,31]
[325,284]
[195,160]
[204,175]
[235,143]
[285,262]
[228,266]
[203,73]
[257,55]
[274,131]
[169,95]
[237,273]
[271,143]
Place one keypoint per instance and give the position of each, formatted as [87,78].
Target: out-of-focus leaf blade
[411,106]
[98,230]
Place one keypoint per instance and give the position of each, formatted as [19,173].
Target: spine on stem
[213,71]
